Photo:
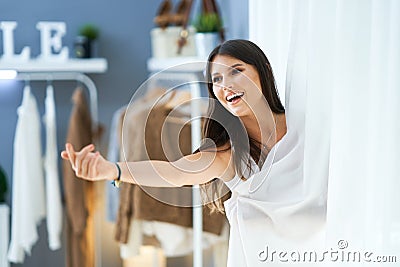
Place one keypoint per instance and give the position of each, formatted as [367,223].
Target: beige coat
[79,194]
[142,128]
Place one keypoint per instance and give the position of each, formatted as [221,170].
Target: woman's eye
[236,71]
[216,79]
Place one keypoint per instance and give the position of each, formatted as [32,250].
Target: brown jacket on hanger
[142,141]
[79,194]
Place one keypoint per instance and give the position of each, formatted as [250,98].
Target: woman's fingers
[85,163]
[80,156]
[79,160]
[64,154]
[84,166]
[71,155]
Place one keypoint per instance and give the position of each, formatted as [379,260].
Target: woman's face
[235,84]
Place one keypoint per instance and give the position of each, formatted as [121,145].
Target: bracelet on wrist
[117,181]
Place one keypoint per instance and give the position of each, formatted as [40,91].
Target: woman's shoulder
[232,183]
[222,150]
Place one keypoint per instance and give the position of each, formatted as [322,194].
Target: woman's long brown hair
[238,139]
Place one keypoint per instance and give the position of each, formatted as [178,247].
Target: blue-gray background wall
[124,41]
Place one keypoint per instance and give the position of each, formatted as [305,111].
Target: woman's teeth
[229,98]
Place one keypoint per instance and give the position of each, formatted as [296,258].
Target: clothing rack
[189,72]
[70,70]
[68,76]
[195,89]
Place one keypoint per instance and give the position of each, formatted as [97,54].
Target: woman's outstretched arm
[192,169]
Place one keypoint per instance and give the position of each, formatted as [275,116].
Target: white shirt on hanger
[53,195]
[28,203]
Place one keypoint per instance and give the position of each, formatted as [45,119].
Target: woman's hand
[89,165]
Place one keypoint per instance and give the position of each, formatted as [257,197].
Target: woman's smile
[234,98]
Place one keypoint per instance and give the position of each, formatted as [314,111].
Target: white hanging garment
[28,201]
[53,195]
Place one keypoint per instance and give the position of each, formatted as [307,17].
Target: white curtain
[345,54]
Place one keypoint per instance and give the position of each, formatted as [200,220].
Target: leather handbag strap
[184,32]
[162,17]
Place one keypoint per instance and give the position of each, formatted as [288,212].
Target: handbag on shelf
[172,37]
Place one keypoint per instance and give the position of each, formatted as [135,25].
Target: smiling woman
[239,132]
[248,107]
[244,106]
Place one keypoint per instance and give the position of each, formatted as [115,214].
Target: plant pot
[82,47]
[205,43]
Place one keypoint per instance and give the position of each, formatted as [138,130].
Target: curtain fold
[365,127]
[343,55]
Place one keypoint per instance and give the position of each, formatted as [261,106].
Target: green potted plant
[3,186]
[209,27]
[208,23]
[83,45]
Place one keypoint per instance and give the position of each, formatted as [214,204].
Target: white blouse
[279,212]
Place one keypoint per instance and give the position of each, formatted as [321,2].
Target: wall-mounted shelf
[90,65]
[60,70]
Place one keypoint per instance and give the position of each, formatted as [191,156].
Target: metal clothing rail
[196,197]
[190,74]
[91,87]
[68,76]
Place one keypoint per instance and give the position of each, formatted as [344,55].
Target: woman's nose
[227,87]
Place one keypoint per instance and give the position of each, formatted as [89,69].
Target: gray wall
[124,41]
